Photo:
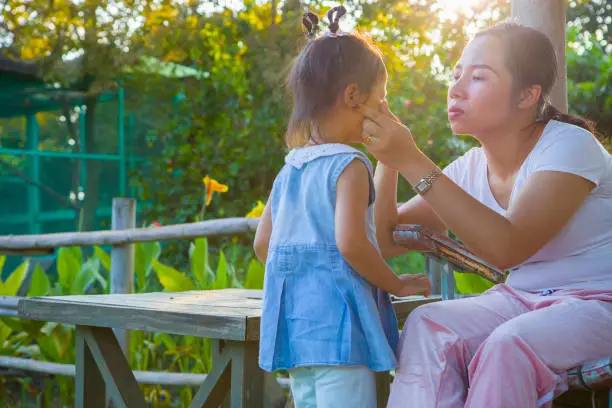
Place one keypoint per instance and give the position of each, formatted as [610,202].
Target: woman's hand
[386,137]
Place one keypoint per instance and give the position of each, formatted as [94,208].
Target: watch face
[422,186]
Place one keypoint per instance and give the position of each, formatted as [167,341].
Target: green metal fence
[44,173]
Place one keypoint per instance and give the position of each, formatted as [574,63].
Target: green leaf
[166,339]
[199,260]
[68,266]
[5,332]
[86,276]
[221,281]
[2,260]
[469,283]
[13,282]
[255,275]
[40,284]
[144,254]
[171,279]
[104,257]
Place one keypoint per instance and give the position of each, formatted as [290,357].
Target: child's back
[323,317]
[317,310]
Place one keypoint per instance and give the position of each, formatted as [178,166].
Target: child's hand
[413,285]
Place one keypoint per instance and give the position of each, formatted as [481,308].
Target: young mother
[535,199]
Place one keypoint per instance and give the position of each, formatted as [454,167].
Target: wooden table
[230,317]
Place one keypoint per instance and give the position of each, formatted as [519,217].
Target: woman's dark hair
[321,72]
[531,59]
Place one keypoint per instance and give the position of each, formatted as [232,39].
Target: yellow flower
[213,186]
[257,211]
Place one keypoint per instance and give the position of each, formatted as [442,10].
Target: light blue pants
[332,387]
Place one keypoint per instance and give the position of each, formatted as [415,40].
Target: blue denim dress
[317,311]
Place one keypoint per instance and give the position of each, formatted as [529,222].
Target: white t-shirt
[580,256]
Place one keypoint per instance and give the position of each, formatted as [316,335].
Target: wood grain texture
[45,243]
[230,314]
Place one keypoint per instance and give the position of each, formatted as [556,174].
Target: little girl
[327,318]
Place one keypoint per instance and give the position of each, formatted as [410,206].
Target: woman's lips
[454,113]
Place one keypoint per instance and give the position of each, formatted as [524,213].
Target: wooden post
[549,17]
[434,272]
[122,257]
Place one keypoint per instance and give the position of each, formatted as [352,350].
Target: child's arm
[262,235]
[352,197]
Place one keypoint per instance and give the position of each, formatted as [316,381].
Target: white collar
[300,156]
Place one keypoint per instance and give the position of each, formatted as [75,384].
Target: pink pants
[503,349]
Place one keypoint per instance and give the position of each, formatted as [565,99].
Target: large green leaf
[221,280]
[68,266]
[2,260]
[171,279]
[86,276]
[199,260]
[104,258]
[469,283]
[5,332]
[144,254]
[40,284]
[13,282]
[255,275]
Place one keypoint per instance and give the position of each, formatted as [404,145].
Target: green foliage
[469,283]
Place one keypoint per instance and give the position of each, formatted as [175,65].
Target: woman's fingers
[370,131]
[374,115]
[384,107]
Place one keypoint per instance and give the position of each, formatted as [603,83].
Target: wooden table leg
[247,386]
[98,347]
[89,384]
[215,389]
[235,372]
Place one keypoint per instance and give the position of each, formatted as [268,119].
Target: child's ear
[352,96]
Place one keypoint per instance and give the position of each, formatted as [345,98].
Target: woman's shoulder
[568,148]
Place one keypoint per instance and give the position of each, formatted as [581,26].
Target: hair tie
[334,15]
[310,21]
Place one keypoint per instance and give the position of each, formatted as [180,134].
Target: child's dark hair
[324,68]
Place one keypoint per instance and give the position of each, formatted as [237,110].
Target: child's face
[378,95]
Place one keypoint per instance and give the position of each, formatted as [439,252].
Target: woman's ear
[529,97]
[352,96]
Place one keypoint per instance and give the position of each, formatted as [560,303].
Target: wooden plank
[123,389]
[230,327]
[44,243]
[247,387]
[89,384]
[137,305]
[201,295]
[215,389]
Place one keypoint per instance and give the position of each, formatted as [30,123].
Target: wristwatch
[424,184]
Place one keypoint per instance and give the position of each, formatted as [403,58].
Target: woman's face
[480,96]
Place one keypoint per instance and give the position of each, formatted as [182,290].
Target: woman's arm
[352,195]
[387,215]
[544,206]
[262,235]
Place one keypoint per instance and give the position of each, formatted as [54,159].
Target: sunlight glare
[450,9]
